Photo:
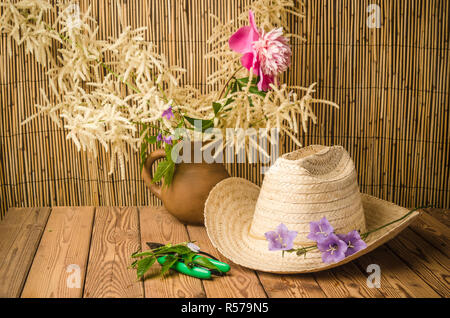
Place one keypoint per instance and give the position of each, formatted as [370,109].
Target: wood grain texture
[290,286]
[414,264]
[239,282]
[442,215]
[424,259]
[115,237]
[433,231]
[65,242]
[157,225]
[397,279]
[20,234]
[345,281]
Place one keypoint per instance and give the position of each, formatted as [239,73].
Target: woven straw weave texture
[392,85]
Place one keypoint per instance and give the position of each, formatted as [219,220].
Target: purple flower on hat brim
[320,230]
[353,241]
[333,249]
[168,113]
[282,239]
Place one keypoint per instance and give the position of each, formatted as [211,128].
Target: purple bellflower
[282,239]
[333,249]
[353,241]
[168,113]
[320,230]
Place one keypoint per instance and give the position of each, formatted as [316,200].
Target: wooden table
[44,250]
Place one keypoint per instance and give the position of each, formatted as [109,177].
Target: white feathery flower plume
[104,91]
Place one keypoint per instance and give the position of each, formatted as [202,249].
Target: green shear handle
[202,267]
[196,270]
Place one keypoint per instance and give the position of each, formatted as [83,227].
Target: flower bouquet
[122,94]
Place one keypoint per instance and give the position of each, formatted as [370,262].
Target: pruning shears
[196,270]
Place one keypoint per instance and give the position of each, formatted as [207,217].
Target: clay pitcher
[185,197]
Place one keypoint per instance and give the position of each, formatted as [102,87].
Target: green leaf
[235,87]
[206,123]
[144,147]
[144,129]
[188,258]
[143,154]
[162,169]
[151,139]
[168,150]
[144,265]
[253,88]
[216,107]
[250,101]
[256,91]
[170,260]
[244,80]
[140,254]
[203,261]
[169,175]
[228,102]
[180,249]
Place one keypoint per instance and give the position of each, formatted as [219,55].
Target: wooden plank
[345,281]
[428,262]
[290,286]
[157,225]
[63,249]
[114,238]
[442,215]
[397,279]
[20,233]
[433,231]
[240,282]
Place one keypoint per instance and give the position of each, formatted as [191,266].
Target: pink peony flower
[268,54]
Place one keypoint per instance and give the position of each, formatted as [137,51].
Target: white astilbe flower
[80,57]
[138,87]
[104,91]
[24,22]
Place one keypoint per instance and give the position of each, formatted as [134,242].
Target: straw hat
[301,187]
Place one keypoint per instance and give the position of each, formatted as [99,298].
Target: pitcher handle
[147,173]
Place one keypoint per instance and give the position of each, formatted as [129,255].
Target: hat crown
[316,160]
[306,185]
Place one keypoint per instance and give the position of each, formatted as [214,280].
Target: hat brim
[229,212]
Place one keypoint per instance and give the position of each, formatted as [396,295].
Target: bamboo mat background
[392,85]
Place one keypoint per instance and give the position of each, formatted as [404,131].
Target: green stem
[153,126]
[131,86]
[366,234]
[228,81]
